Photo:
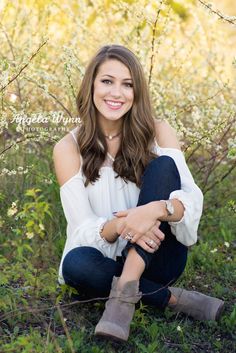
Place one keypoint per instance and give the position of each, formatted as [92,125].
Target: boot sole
[105,329]
[109,337]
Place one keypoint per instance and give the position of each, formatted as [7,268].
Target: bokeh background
[188,51]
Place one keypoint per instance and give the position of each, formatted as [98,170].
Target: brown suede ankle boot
[197,305]
[119,311]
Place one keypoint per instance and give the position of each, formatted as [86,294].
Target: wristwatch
[169,207]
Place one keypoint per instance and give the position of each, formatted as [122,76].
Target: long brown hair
[138,129]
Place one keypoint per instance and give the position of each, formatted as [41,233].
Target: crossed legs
[86,269]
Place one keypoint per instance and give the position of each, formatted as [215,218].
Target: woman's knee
[80,263]
[164,172]
[160,178]
[164,165]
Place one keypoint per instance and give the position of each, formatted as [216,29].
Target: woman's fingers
[128,235]
[121,213]
[152,237]
[154,233]
[158,233]
[149,243]
[141,242]
[135,237]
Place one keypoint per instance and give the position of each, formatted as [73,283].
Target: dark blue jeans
[86,269]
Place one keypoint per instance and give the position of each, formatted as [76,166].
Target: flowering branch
[14,58]
[51,95]
[19,141]
[153,42]
[229,19]
[24,67]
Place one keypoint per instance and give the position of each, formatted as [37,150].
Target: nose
[116,90]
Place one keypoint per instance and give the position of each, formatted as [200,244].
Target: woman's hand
[151,241]
[137,221]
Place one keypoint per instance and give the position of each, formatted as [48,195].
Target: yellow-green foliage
[188,55]
[186,52]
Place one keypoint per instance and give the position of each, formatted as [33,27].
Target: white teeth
[114,104]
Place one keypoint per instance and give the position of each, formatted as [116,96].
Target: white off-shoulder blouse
[86,208]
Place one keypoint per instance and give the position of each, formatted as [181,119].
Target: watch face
[170,207]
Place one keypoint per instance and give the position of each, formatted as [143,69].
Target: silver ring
[151,242]
[128,236]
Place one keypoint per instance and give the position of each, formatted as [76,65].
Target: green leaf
[92,17]
[32,192]
[179,9]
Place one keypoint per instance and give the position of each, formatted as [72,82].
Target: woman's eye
[127,84]
[106,81]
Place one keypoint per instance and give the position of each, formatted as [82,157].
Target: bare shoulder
[165,135]
[66,159]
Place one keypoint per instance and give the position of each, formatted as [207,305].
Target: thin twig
[49,331]
[153,43]
[19,141]
[187,106]
[229,19]
[204,165]
[14,58]
[229,171]
[65,329]
[24,311]
[51,95]
[24,67]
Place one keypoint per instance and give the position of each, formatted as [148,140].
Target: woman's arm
[167,138]
[83,224]
[190,195]
[66,159]
[187,202]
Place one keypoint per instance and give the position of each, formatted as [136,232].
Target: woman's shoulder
[166,136]
[66,158]
[68,141]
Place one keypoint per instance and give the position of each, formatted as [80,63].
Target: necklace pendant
[111,137]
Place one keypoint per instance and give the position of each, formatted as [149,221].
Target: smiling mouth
[114,105]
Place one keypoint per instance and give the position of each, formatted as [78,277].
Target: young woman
[130,201]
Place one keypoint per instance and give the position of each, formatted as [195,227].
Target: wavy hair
[138,129]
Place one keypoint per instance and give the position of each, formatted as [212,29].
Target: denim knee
[163,166]
[88,270]
[160,178]
[78,264]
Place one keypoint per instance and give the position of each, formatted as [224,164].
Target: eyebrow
[125,79]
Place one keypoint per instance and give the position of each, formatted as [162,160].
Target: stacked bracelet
[101,230]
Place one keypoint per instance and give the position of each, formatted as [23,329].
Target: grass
[37,315]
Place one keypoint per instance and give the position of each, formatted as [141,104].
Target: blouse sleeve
[191,196]
[82,223]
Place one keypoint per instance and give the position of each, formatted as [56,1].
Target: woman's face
[113,90]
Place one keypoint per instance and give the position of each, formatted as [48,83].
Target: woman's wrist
[160,211]
[108,231]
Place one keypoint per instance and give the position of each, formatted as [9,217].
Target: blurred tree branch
[14,58]
[153,42]
[51,95]
[229,19]
[24,67]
